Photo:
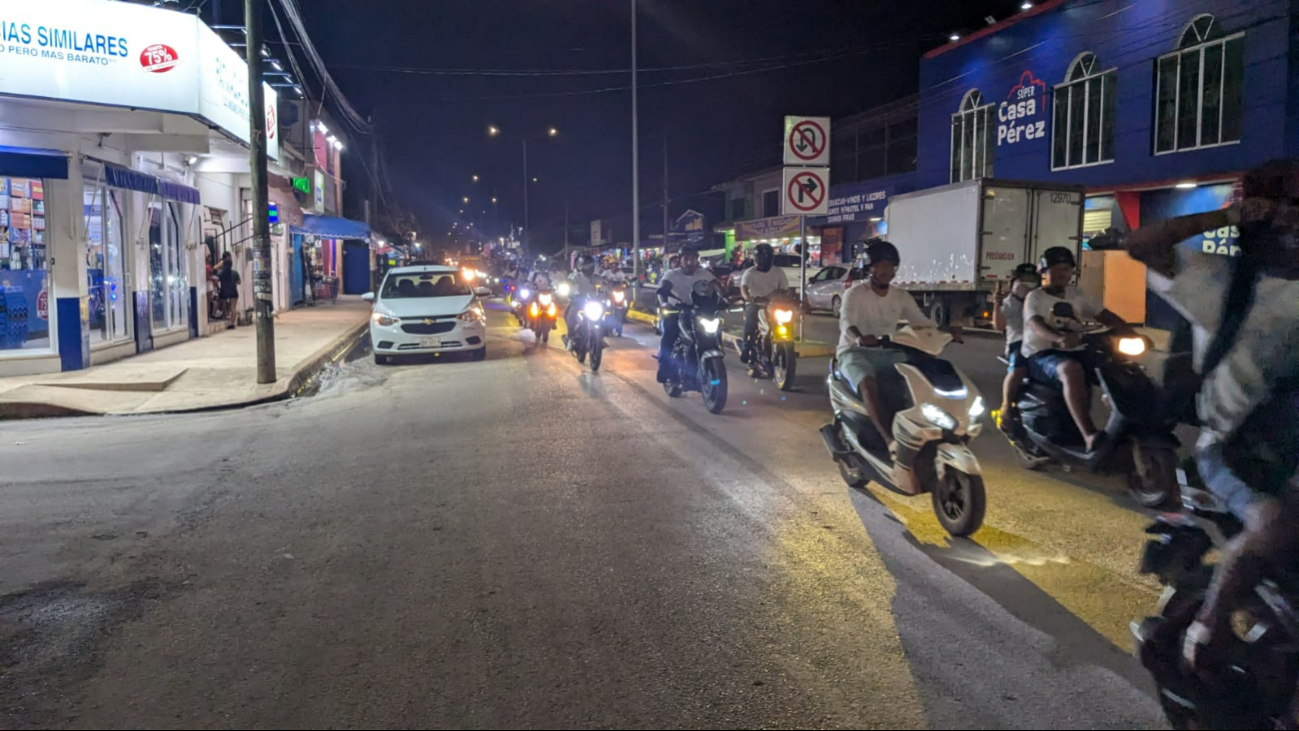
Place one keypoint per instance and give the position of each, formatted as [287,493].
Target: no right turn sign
[806,192]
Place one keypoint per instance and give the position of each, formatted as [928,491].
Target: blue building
[1156,106]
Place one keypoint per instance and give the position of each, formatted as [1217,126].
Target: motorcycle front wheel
[784,363]
[960,502]
[712,383]
[597,355]
[1156,485]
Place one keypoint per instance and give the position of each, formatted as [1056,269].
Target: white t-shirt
[876,315]
[1263,351]
[762,284]
[683,284]
[582,284]
[540,280]
[1012,308]
[1041,302]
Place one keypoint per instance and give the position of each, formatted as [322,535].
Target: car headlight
[710,325]
[1132,347]
[594,310]
[784,316]
[472,314]
[545,298]
[937,416]
[383,319]
[468,274]
[977,408]
[564,289]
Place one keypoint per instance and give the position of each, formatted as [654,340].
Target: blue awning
[33,162]
[332,228]
[120,177]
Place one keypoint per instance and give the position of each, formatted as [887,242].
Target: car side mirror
[368,296]
[483,291]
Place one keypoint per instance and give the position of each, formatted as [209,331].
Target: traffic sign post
[806,189]
[807,141]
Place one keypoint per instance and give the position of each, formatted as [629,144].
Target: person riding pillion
[870,311]
[759,283]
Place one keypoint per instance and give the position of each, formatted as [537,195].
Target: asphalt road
[521,543]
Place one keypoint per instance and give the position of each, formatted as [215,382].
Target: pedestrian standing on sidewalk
[230,281]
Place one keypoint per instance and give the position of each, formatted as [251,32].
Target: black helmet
[1055,255]
[878,250]
[764,254]
[1024,270]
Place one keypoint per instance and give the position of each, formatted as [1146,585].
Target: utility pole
[261,214]
[665,194]
[374,173]
[524,234]
[566,227]
[635,163]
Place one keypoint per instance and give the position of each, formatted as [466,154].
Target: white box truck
[958,240]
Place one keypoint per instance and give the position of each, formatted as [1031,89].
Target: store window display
[106,262]
[24,269]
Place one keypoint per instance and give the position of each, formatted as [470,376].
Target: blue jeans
[671,325]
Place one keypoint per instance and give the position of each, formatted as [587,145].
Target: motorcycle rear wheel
[853,476]
[960,502]
[672,388]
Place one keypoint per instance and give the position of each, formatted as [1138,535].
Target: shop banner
[778,227]
[126,55]
[855,202]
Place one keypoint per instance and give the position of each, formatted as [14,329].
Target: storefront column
[65,232]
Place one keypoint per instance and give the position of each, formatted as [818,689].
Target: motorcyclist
[1053,345]
[1008,316]
[540,278]
[676,287]
[582,282]
[756,284]
[1244,315]
[870,311]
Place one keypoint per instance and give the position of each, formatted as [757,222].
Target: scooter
[588,338]
[932,432]
[1255,685]
[773,355]
[1138,439]
[542,315]
[616,309]
[698,363]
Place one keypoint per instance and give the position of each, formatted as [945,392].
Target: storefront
[784,235]
[101,165]
[337,252]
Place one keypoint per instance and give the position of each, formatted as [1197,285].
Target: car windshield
[786,260]
[424,284]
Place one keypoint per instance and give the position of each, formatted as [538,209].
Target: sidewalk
[204,373]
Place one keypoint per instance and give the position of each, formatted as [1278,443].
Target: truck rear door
[1059,216]
[1005,230]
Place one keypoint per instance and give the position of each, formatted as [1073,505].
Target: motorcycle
[616,309]
[932,432]
[1138,439]
[519,304]
[773,355]
[588,339]
[1255,684]
[697,360]
[543,313]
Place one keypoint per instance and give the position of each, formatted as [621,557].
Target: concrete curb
[284,388]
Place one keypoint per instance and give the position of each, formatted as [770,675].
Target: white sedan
[427,309]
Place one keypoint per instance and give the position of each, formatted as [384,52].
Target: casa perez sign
[126,55]
[1022,116]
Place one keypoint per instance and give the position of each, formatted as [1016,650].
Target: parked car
[825,290]
[791,265]
[426,309]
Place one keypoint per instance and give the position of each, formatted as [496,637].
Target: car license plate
[430,342]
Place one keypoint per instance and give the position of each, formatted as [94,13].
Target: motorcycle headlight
[977,408]
[535,310]
[524,293]
[593,310]
[618,297]
[784,316]
[710,325]
[382,319]
[551,311]
[937,416]
[564,289]
[545,298]
[1132,347]
[468,274]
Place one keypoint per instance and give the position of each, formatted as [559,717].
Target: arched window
[1198,88]
[972,138]
[1084,115]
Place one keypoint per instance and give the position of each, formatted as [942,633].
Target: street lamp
[465,199]
[552,132]
[475,178]
[493,130]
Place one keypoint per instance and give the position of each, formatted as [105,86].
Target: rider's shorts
[1016,358]
[858,364]
[1043,367]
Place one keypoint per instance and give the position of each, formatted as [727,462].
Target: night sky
[815,57]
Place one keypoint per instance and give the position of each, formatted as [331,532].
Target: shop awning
[33,162]
[120,177]
[332,228]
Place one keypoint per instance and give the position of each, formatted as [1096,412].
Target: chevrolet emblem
[428,321]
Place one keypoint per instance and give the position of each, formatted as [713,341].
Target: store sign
[320,192]
[1023,115]
[302,185]
[852,203]
[778,227]
[273,212]
[126,55]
